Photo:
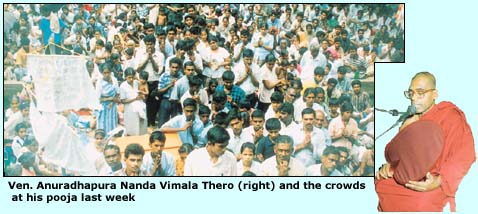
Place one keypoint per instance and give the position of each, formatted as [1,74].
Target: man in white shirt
[214,159]
[309,142]
[286,116]
[282,164]
[151,61]
[328,164]
[247,76]
[238,136]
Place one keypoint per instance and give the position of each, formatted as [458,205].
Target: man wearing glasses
[428,158]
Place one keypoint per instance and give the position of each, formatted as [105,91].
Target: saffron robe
[453,162]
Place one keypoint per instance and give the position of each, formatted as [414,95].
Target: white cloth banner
[63,146]
[61,83]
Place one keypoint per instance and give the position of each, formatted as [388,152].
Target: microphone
[411,110]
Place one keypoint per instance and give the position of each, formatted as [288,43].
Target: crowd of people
[251,89]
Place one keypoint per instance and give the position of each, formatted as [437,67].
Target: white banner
[61,83]
[62,145]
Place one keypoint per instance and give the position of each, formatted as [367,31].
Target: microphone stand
[410,111]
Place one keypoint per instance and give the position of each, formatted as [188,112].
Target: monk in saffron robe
[430,155]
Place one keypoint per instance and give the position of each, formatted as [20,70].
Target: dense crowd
[251,89]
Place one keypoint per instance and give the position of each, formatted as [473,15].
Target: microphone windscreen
[412,109]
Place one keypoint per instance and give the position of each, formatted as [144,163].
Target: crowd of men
[251,89]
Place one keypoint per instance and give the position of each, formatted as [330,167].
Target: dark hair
[213,38]
[270,58]
[189,63]
[308,111]
[319,90]
[113,147]
[309,91]
[247,53]
[185,148]
[285,139]
[342,69]
[195,81]
[347,106]
[258,114]
[286,107]
[356,82]
[213,82]
[105,66]
[175,60]
[319,71]
[220,119]
[249,174]
[189,102]
[157,136]
[219,97]
[342,149]
[144,75]
[133,149]
[228,75]
[332,80]
[330,150]
[29,140]
[334,101]
[277,97]
[233,114]
[24,105]
[149,38]
[19,126]
[298,82]
[203,109]
[273,124]
[248,145]
[129,72]
[100,42]
[217,134]
[26,157]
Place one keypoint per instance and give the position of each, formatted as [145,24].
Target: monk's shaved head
[428,76]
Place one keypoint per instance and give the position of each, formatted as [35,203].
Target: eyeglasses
[420,93]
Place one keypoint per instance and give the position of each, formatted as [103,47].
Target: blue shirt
[164,80]
[181,86]
[265,147]
[236,93]
[46,31]
[180,121]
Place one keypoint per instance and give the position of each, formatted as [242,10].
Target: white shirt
[288,129]
[264,93]
[167,163]
[203,98]
[300,105]
[158,57]
[309,156]
[270,113]
[309,63]
[198,163]
[214,58]
[240,72]
[255,168]
[235,142]
[269,167]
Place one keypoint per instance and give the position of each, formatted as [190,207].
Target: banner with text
[61,83]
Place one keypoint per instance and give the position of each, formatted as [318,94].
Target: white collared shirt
[199,163]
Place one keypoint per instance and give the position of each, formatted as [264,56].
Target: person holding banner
[107,90]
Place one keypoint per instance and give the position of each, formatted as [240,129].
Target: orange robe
[453,162]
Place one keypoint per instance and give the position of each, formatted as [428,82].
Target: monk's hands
[431,183]
[384,172]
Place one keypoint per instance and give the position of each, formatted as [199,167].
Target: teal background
[440,38]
